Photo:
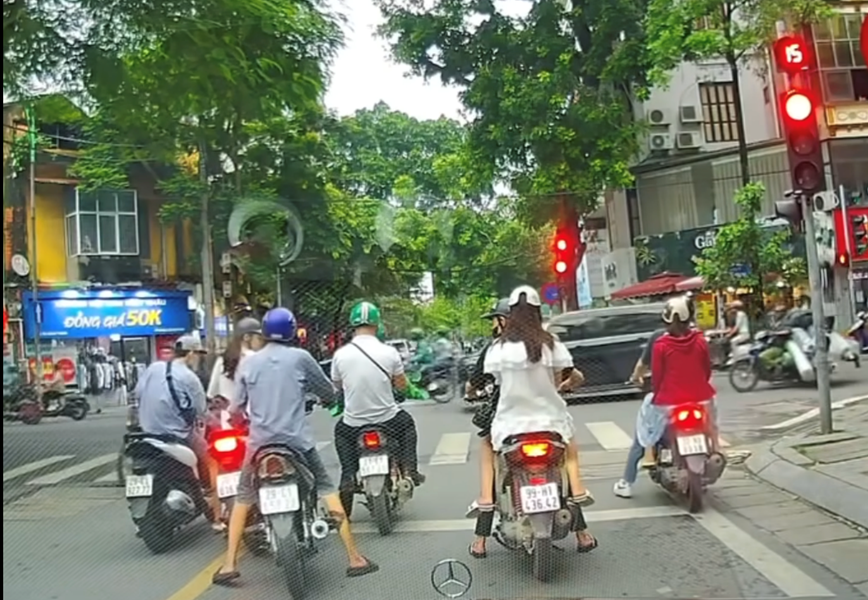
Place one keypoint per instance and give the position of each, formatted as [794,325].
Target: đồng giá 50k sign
[90,314]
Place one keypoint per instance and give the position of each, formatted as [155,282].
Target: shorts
[247,491]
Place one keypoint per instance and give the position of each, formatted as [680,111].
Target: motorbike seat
[297,458]
[166,444]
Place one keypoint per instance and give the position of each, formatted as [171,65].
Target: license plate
[374,465]
[227,484]
[692,444]
[279,499]
[540,498]
[140,486]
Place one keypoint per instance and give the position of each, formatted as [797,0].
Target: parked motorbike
[685,464]
[532,498]
[747,369]
[163,489]
[21,403]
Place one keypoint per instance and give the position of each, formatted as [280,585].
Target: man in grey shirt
[172,403]
[271,385]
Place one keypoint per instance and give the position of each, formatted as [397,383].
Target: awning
[662,283]
[690,284]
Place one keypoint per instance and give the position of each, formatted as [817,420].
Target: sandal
[476,553]
[585,548]
[221,578]
[370,567]
[584,499]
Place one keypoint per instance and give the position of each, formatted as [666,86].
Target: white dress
[529,398]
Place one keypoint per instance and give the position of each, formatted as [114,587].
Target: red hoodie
[681,369]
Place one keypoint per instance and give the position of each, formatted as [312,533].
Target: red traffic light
[561,244]
[798,106]
[791,54]
[561,267]
[843,259]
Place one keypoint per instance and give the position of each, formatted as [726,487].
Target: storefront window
[842,66]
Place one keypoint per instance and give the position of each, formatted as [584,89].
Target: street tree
[739,31]
[549,91]
[748,255]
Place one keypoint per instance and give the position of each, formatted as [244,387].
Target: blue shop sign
[71,314]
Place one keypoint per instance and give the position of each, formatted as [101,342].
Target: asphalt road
[68,535]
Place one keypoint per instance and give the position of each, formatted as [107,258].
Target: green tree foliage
[735,30]
[549,90]
[744,248]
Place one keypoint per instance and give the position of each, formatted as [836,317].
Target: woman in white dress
[531,368]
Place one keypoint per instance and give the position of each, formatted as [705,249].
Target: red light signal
[565,253]
[798,106]
[843,259]
[791,54]
[803,141]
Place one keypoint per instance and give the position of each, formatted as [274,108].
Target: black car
[605,344]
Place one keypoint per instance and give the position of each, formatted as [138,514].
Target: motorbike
[531,499]
[163,489]
[437,379]
[21,403]
[478,398]
[858,332]
[684,463]
[65,404]
[747,369]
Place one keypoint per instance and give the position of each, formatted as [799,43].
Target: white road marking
[110,478]
[814,413]
[592,516]
[787,577]
[320,446]
[77,469]
[610,436]
[723,443]
[33,466]
[451,450]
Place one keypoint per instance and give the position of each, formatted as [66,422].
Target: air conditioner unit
[660,141]
[689,140]
[657,116]
[689,114]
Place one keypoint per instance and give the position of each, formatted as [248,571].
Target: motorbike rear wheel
[381,510]
[543,559]
[78,412]
[694,493]
[156,534]
[744,377]
[290,560]
[444,392]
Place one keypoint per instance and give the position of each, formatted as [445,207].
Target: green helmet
[442,332]
[417,334]
[364,313]
[381,332]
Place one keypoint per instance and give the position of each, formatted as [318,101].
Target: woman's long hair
[232,356]
[524,324]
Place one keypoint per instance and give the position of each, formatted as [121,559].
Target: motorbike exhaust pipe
[562,524]
[319,529]
[405,486]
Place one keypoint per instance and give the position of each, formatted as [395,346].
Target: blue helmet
[279,325]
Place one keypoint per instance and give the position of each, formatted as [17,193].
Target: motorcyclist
[643,365]
[172,404]
[272,385]
[532,369]
[246,339]
[739,332]
[424,353]
[367,370]
[680,373]
[443,349]
[478,379]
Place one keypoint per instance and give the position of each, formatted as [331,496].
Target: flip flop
[587,548]
[370,567]
[586,499]
[221,578]
[476,553]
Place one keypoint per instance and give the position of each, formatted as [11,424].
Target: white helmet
[677,308]
[531,296]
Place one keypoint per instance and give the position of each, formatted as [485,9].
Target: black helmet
[500,309]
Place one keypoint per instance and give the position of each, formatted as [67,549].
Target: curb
[783,467]
[813,413]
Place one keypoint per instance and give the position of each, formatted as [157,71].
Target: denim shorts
[247,491]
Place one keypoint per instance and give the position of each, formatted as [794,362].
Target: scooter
[858,331]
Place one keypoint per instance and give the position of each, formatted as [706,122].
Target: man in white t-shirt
[739,333]
[367,370]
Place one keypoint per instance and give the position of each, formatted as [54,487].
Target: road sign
[792,54]
[551,294]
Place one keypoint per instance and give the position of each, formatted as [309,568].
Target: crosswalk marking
[109,478]
[34,466]
[77,469]
[610,436]
[451,450]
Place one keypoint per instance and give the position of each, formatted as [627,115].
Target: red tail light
[689,417]
[536,450]
[225,445]
[371,440]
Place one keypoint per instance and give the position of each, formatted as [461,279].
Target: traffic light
[565,253]
[803,141]
[860,236]
[843,259]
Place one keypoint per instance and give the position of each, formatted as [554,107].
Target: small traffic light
[843,259]
[860,236]
[803,141]
[792,54]
[565,253]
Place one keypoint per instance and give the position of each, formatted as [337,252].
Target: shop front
[99,337]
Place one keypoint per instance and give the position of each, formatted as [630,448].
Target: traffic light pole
[821,349]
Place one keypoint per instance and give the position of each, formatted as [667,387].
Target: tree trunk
[743,157]
[207,258]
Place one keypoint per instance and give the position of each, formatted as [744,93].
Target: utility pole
[34,275]
[821,344]
[207,258]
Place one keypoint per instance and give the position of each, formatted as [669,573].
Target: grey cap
[189,342]
[500,309]
[248,325]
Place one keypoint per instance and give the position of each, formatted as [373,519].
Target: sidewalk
[829,471]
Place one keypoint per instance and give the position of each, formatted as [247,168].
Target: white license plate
[374,465]
[279,499]
[140,486]
[692,444]
[540,498]
[227,484]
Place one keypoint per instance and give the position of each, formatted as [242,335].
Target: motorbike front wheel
[543,559]
[290,560]
[744,376]
[382,512]
[443,391]
[78,412]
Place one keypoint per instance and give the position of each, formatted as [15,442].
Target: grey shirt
[271,385]
[158,413]
[647,351]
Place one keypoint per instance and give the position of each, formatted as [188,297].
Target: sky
[364,74]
